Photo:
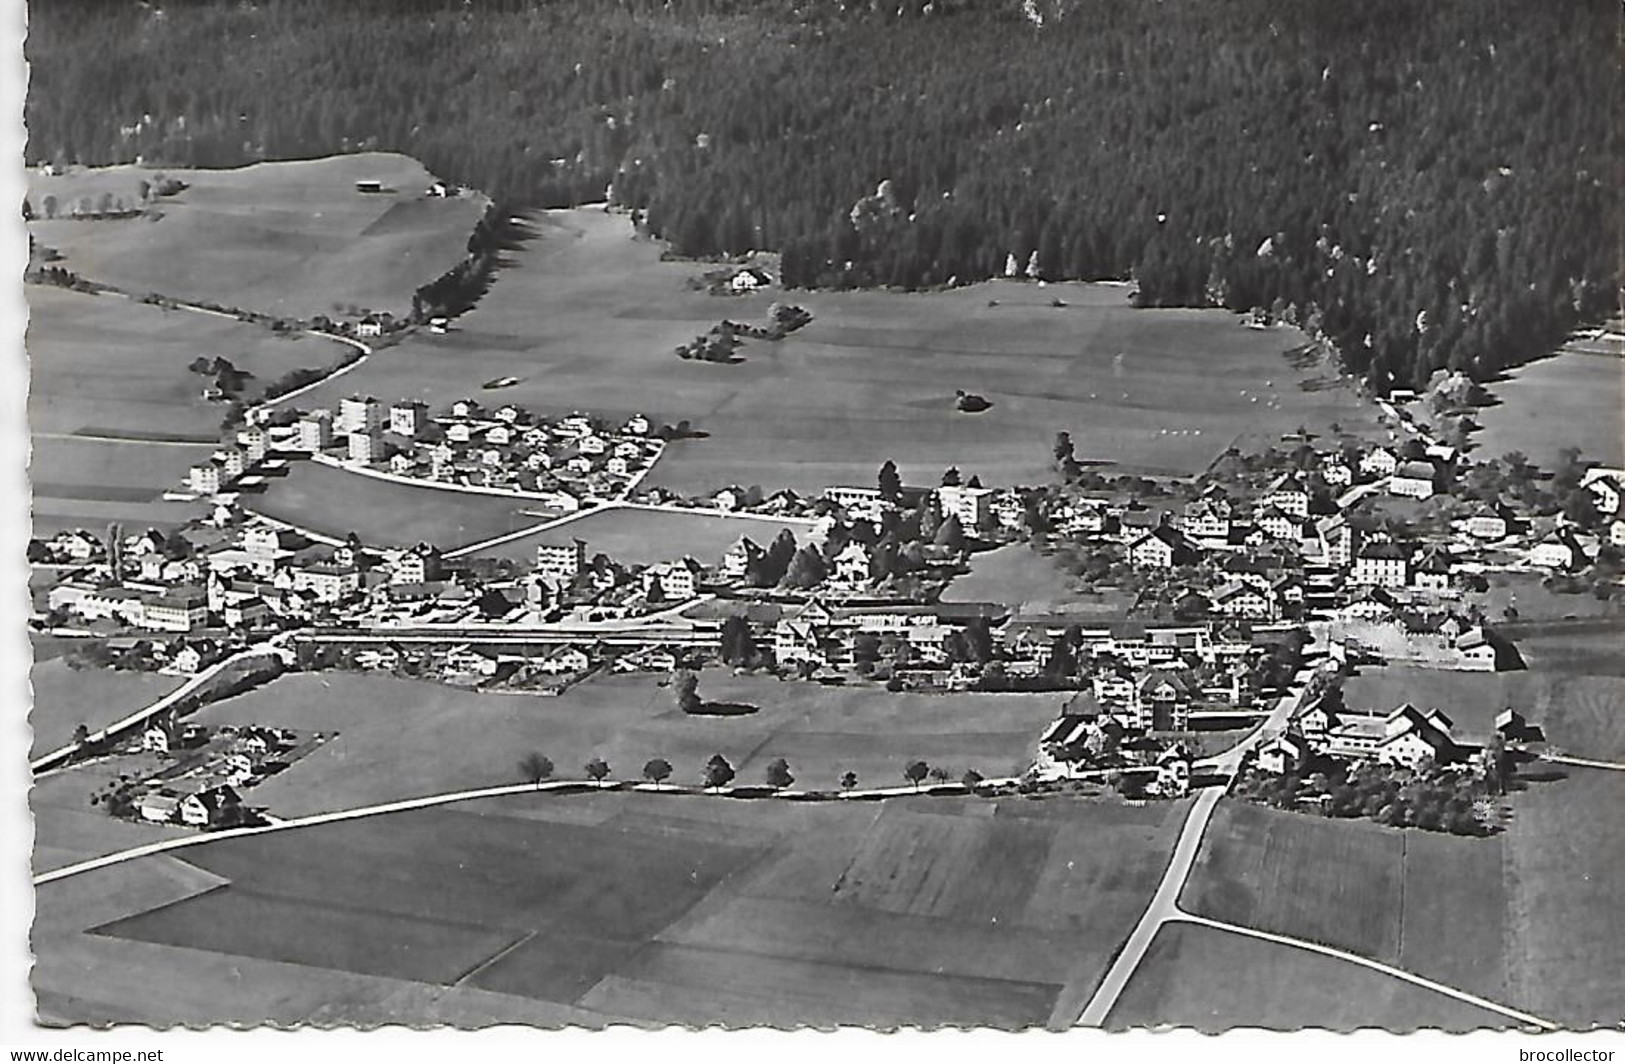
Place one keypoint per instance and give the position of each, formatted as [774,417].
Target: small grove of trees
[535,767]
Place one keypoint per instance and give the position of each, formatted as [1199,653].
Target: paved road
[1164,904]
[274,645]
[432,800]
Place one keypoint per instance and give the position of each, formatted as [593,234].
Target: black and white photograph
[896,515]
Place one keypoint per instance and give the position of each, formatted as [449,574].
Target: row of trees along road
[1427,185]
[536,768]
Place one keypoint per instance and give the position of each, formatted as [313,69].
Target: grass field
[588,317]
[65,698]
[292,238]
[1214,980]
[640,537]
[335,502]
[1432,904]
[1565,874]
[399,738]
[1030,583]
[621,905]
[1588,388]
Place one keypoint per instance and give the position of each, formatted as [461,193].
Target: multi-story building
[558,564]
[204,478]
[358,414]
[1382,564]
[408,417]
[973,506]
[365,448]
[315,432]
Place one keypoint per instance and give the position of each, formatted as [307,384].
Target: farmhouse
[1284,753]
[216,807]
[748,279]
[159,808]
[1207,518]
[851,565]
[1489,522]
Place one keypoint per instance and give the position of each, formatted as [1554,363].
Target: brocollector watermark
[1565,1056]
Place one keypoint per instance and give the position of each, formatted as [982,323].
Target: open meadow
[1215,980]
[335,502]
[587,317]
[1587,386]
[636,536]
[597,907]
[402,738]
[64,698]
[285,238]
[1429,903]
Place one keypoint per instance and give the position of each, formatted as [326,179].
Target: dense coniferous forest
[1426,184]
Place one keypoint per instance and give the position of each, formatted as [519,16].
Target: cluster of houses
[562,464]
[201,788]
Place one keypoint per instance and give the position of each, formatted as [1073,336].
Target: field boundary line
[1374,965]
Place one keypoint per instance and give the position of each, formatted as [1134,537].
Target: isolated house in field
[369,185]
[369,327]
[748,279]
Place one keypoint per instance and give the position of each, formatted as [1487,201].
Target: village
[1328,553]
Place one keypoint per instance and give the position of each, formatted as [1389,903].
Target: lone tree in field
[916,772]
[778,774]
[534,768]
[685,688]
[596,770]
[657,770]
[849,780]
[971,779]
[81,735]
[718,773]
